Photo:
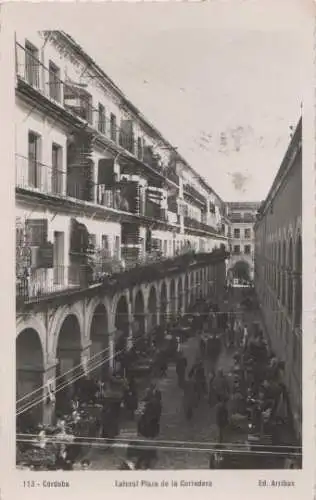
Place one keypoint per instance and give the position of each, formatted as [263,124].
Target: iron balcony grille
[35,284]
[74,99]
[37,177]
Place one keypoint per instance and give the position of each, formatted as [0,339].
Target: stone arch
[163,302]
[93,305]
[152,308]
[99,338]
[34,323]
[180,296]
[58,320]
[173,291]
[298,281]
[283,280]
[68,355]
[186,290]
[290,277]
[278,268]
[121,312]
[30,365]
[139,313]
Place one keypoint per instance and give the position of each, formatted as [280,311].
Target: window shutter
[106,172]
[36,230]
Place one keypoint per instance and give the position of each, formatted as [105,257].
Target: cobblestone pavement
[174,426]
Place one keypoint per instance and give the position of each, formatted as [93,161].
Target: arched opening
[187,291]
[163,304]
[290,278]
[29,378]
[172,299]
[241,271]
[279,264]
[122,327]
[152,309]
[139,315]
[69,362]
[283,291]
[192,287]
[298,285]
[99,336]
[180,296]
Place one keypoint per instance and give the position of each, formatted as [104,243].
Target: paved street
[174,426]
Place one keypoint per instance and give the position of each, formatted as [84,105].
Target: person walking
[181,366]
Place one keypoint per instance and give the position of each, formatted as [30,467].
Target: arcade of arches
[90,337]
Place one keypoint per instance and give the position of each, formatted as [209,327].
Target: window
[105,242]
[34,166]
[57,172]
[117,247]
[139,148]
[236,233]
[113,127]
[87,109]
[101,119]
[31,65]
[237,249]
[54,82]
[247,249]
[247,234]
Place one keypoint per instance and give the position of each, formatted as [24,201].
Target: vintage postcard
[160,174]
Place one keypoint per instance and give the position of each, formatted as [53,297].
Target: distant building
[241,219]
[278,268]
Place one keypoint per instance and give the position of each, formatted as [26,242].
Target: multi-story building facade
[115,231]
[240,232]
[278,268]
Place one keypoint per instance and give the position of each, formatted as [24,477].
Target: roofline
[71,41]
[283,167]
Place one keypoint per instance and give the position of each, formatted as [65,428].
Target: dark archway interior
[152,308]
[139,314]
[99,350]
[172,297]
[69,359]
[298,290]
[180,296]
[241,271]
[121,315]
[187,291]
[163,303]
[29,377]
[121,324]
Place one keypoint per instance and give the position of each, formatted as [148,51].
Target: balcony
[199,226]
[39,178]
[43,284]
[72,98]
[36,176]
[193,193]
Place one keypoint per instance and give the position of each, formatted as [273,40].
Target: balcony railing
[192,192]
[195,224]
[43,283]
[73,98]
[36,176]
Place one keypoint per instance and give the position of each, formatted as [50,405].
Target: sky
[222,80]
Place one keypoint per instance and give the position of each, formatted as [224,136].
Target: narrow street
[174,426]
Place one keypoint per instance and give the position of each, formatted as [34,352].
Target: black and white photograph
[158,213]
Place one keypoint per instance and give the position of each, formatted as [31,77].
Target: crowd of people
[249,401]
